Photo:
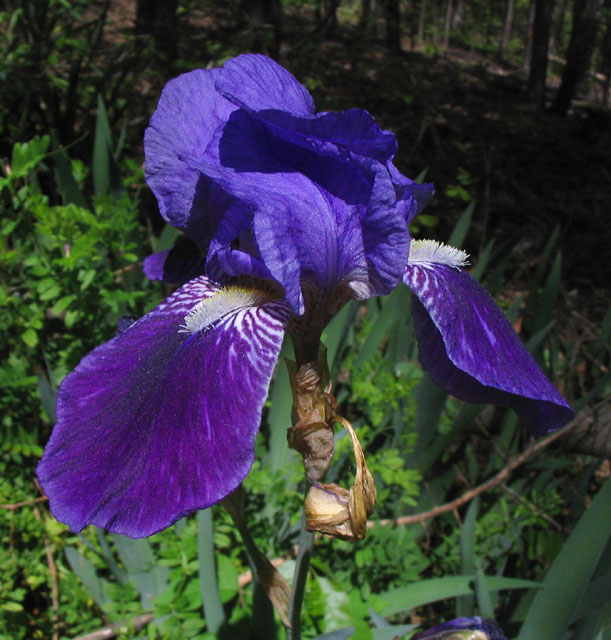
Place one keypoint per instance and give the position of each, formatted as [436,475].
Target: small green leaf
[30,337]
[459,233]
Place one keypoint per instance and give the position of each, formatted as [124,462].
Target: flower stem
[302,564]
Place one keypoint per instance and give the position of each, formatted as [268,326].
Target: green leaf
[68,186]
[279,416]
[228,578]
[85,570]
[464,604]
[106,178]
[482,261]
[566,581]
[424,592]
[549,295]
[63,303]
[141,567]
[459,233]
[484,601]
[435,589]
[48,397]
[338,634]
[26,155]
[213,607]
[167,238]
[30,337]
[393,632]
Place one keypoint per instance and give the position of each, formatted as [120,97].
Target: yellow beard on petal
[226,301]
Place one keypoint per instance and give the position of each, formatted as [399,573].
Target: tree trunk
[448,25]
[263,24]
[421,22]
[529,39]
[158,17]
[556,43]
[366,19]
[328,18]
[539,53]
[507,27]
[579,54]
[411,20]
[605,63]
[393,25]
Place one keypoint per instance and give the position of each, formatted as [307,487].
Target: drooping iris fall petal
[162,419]
[469,347]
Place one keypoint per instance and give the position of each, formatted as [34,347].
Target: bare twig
[533,507]
[54,580]
[246,577]
[112,630]
[27,503]
[496,480]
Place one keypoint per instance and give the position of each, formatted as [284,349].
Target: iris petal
[454,629]
[315,217]
[471,350]
[333,133]
[188,114]
[254,82]
[160,421]
[183,262]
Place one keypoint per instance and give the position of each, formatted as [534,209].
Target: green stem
[302,564]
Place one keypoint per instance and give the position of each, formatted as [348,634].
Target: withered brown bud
[327,510]
[313,418]
[334,511]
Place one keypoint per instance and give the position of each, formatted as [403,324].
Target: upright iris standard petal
[269,188]
[316,217]
[475,628]
[411,196]
[162,419]
[187,116]
[183,262]
[255,82]
[470,348]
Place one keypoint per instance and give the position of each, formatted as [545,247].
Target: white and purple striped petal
[162,419]
[467,344]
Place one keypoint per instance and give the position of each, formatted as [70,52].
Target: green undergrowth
[71,270]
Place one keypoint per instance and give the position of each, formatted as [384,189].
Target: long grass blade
[567,580]
[208,582]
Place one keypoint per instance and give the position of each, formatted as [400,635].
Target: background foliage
[526,194]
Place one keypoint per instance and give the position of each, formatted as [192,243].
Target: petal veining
[158,422]
[254,82]
[471,350]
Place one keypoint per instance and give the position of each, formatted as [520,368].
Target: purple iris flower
[463,629]
[287,214]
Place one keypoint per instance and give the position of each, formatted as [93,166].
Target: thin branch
[496,480]
[533,507]
[112,630]
[246,577]
[54,579]
[27,503]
